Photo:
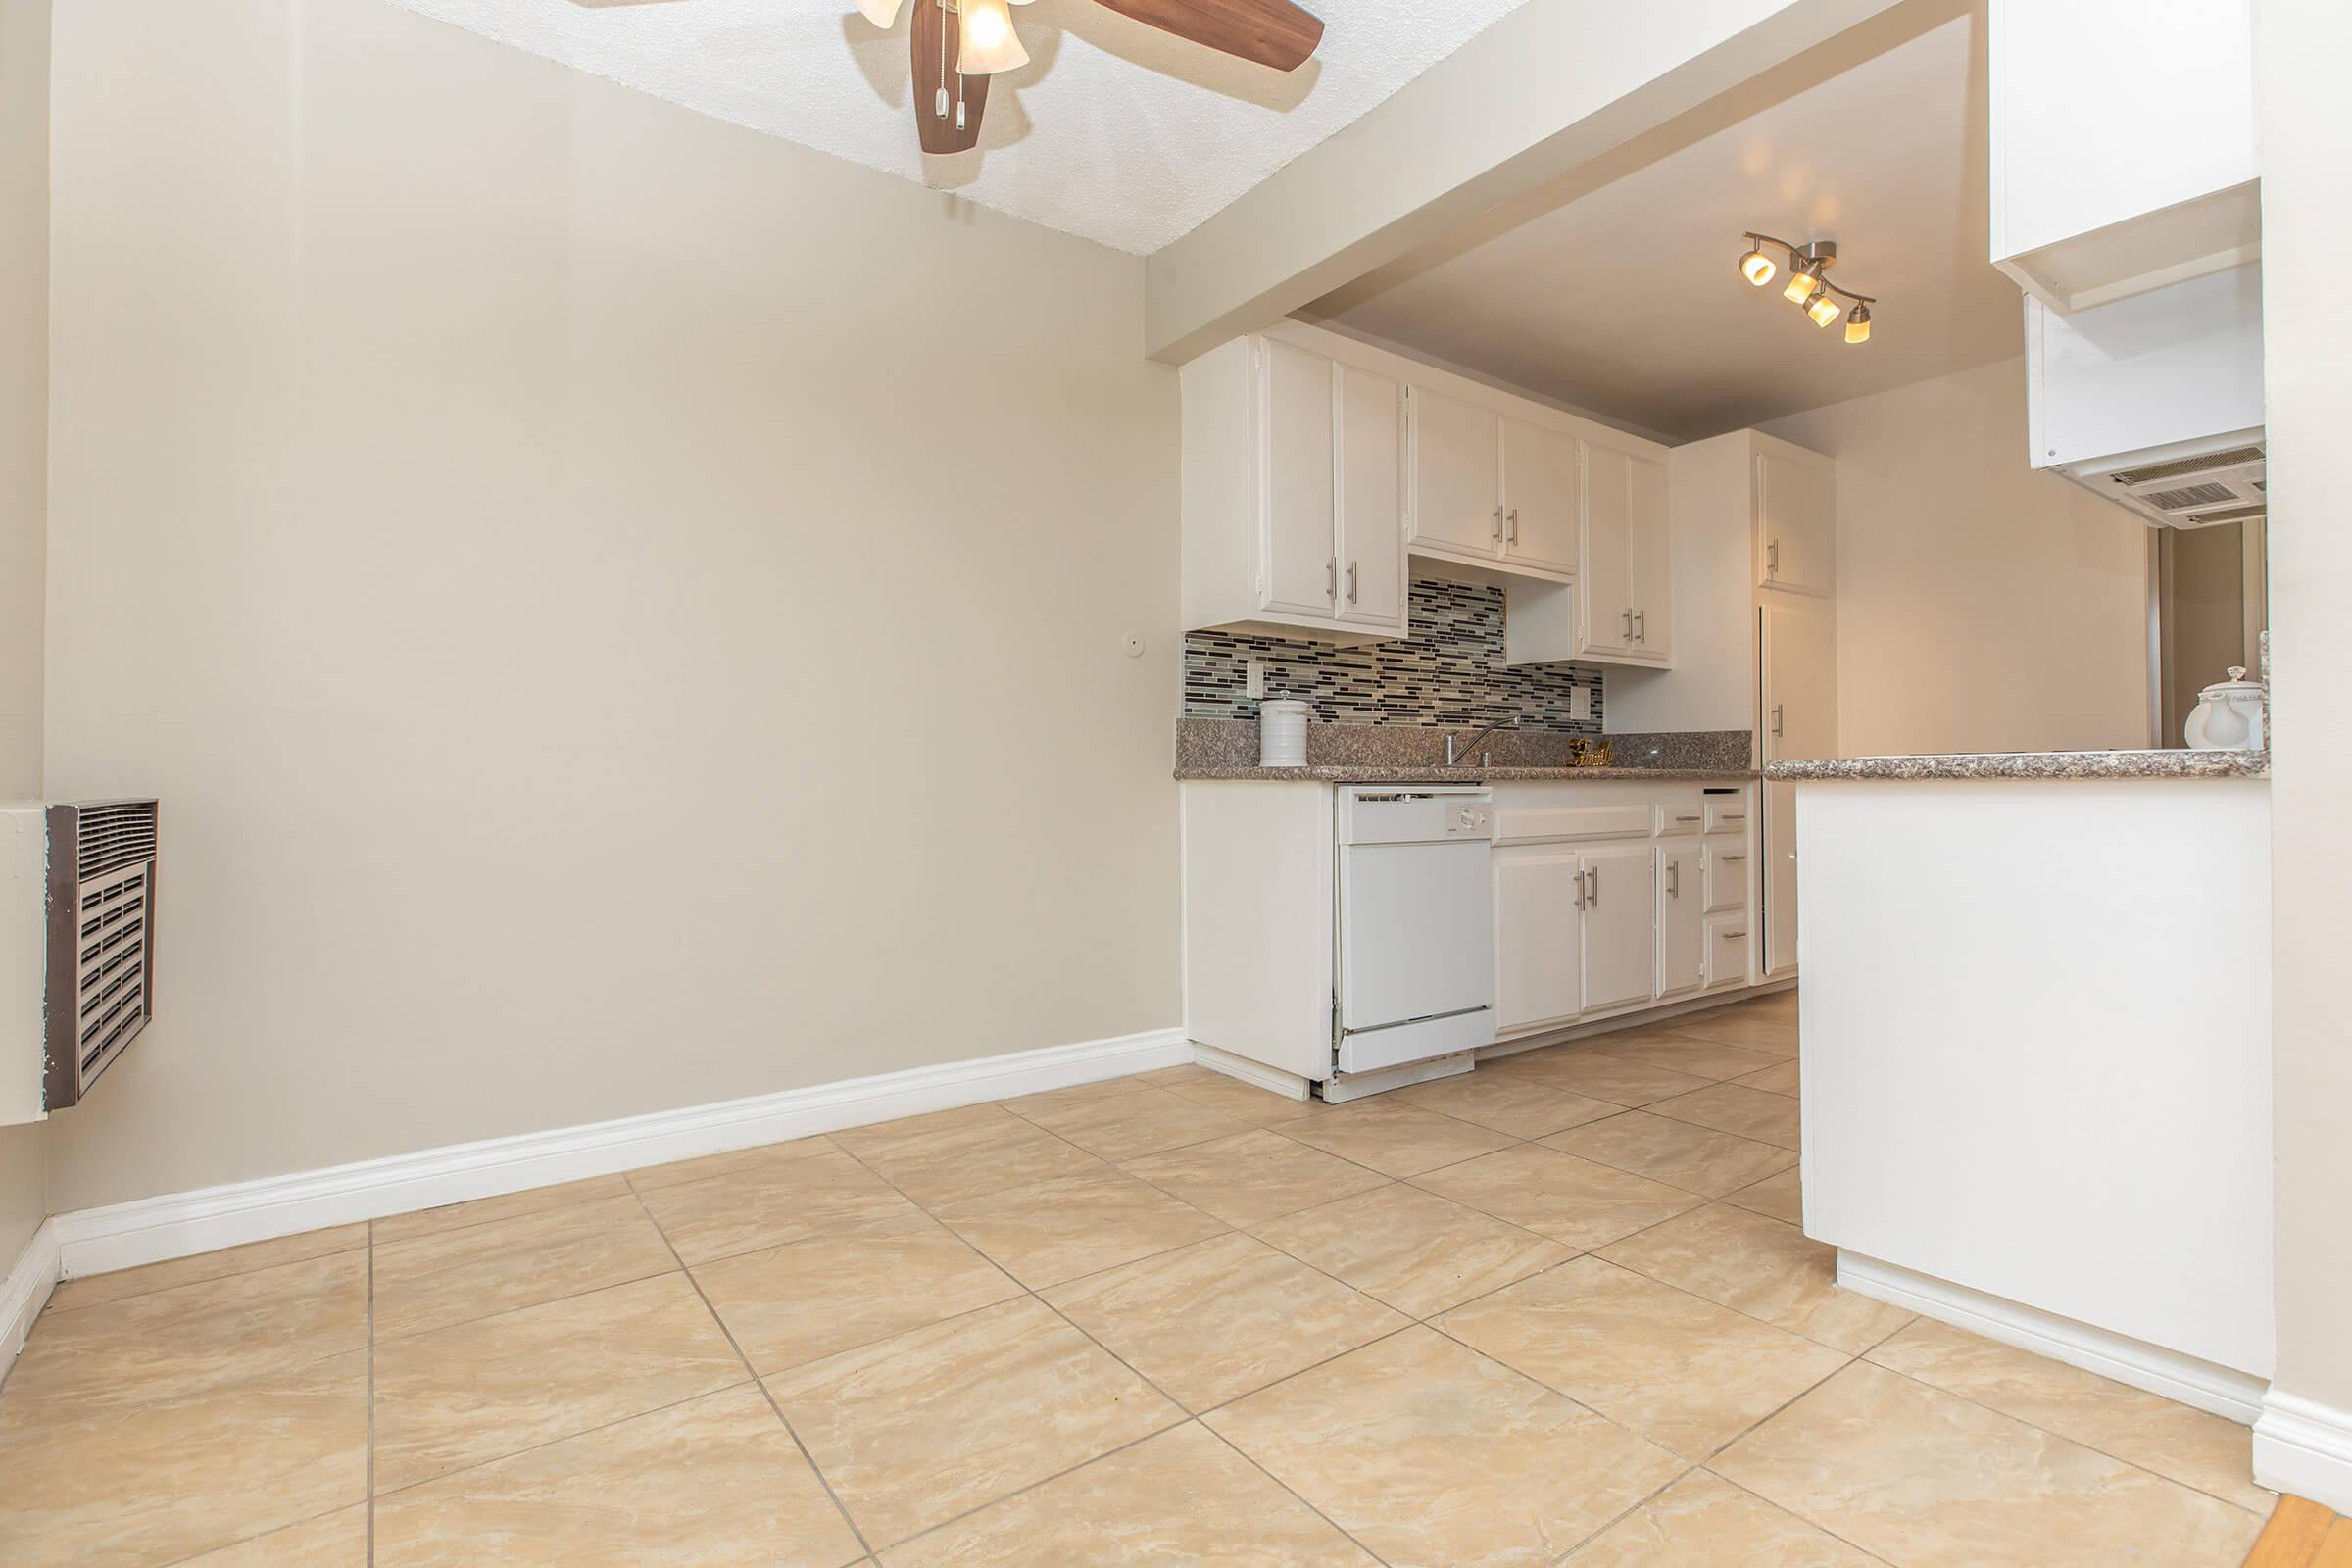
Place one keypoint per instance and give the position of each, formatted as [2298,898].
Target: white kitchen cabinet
[1620,923]
[1456,457]
[2123,145]
[1797,521]
[1728,950]
[1724,867]
[1539,915]
[1626,575]
[1539,500]
[1800,698]
[1293,505]
[1680,897]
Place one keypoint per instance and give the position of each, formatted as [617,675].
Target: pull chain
[939,104]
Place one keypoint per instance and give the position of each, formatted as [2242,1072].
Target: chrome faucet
[1455,750]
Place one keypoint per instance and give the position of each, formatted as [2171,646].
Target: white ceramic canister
[1282,733]
[2228,715]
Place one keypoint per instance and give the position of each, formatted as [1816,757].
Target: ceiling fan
[959,44]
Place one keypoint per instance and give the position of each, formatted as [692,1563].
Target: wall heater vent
[77,946]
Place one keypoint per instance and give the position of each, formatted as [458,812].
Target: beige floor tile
[337,1541]
[457,1276]
[1686,1374]
[875,1137]
[1221,1318]
[1416,1252]
[1763,1267]
[1700,1058]
[1780,1078]
[480,1391]
[1260,1107]
[680,1172]
[1569,1199]
[1128,1127]
[1056,1231]
[1026,1105]
[971,1158]
[794,1304]
[1514,1104]
[713,1483]
[2198,1449]
[919,1428]
[1704,1520]
[769,1206]
[145,1350]
[1927,1479]
[1674,1151]
[1253,1177]
[131,1487]
[481,1210]
[1182,1500]
[1191,1072]
[1434,1456]
[1782,1196]
[95,1289]
[1599,1076]
[1395,1139]
[1757,1031]
[1738,1110]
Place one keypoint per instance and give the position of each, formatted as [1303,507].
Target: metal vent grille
[2235,457]
[2226,514]
[114,835]
[2193,495]
[110,965]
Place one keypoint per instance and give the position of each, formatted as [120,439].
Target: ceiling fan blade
[1272,33]
[936,38]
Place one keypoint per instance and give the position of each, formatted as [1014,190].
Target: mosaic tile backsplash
[1449,671]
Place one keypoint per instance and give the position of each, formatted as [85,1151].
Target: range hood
[2191,484]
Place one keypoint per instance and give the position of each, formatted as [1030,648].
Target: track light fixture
[1809,286]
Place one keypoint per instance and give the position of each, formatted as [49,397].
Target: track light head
[1756,267]
[1857,325]
[1801,284]
[1825,309]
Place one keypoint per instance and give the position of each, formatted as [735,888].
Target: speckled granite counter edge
[1340,773]
[2031,764]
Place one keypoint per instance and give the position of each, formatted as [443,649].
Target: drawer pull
[1734,935]
[1729,858]
[1691,818]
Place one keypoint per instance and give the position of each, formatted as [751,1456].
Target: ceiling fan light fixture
[989,45]
[1756,267]
[881,12]
[1857,325]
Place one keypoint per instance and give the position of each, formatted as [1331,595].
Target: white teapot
[2228,716]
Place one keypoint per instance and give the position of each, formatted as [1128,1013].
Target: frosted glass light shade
[1857,325]
[1757,268]
[1801,286]
[1823,309]
[990,44]
[881,12]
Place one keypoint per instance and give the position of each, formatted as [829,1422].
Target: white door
[1796,523]
[1456,474]
[1302,572]
[1620,926]
[1682,937]
[1540,498]
[1798,660]
[1649,558]
[1539,900]
[1605,583]
[1371,498]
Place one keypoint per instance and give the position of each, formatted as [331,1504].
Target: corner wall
[622,611]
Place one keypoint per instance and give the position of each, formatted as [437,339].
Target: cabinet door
[1605,581]
[1539,498]
[1796,524]
[1649,558]
[1539,900]
[1726,949]
[1456,476]
[1726,875]
[1620,917]
[1798,660]
[1681,895]
[1301,570]
[1371,499]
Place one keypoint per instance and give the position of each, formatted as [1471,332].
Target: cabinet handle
[1777,728]
[1686,818]
[1331,579]
[1351,582]
[1629,624]
[1513,536]
[1642,625]
[1735,935]
[1580,890]
[1592,887]
[1498,522]
[1732,816]
[1772,559]
[1729,858]
[1674,879]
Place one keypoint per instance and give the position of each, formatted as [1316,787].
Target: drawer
[1684,816]
[1727,950]
[1728,816]
[1530,824]
[1724,867]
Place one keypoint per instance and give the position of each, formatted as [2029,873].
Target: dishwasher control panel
[1414,813]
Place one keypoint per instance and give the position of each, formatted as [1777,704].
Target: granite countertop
[1344,773]
[2171,764]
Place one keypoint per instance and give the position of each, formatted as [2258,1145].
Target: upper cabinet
[1294,498]
[2124,144]
[1491,487]
[1795,521]
[1625,585]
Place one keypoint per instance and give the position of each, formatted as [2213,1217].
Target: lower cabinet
[1727,947]
[1621,916]
[1538,934]
[1682,921]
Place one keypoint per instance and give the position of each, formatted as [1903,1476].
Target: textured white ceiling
[1628,301]
[1113,131]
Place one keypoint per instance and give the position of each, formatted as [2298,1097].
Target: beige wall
[24,462]
[622,611]
[1982,607]
[2307,231]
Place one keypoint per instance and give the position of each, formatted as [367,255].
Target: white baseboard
[97,1241]
[1257,1074]
[2224,1392]
[26,1291]
[2304,1447]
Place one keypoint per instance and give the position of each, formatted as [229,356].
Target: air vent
[2181,467]
[2226,514]
[113,834]
[2195,495]
[87,873]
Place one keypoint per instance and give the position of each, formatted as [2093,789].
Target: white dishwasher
[1416,930]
